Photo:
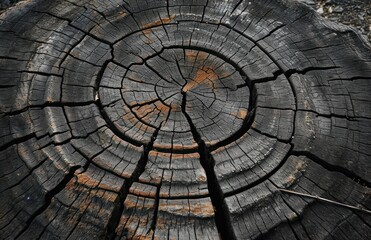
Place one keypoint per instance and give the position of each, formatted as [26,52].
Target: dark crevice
[204,11]
[45,227]
[48,198]
[157,72]
[168,8]
[144,103]
[262,179]
[99,104]
[206,158]
[101,71]
[131,108]
[49,104]
[239,86]
[333,168]
[292,228]
[67,121]
[163,101]
[271,32]
[89,159]
[69,139]
[288,73]
[7,86]
[78,219]
[179,69]
[176,151]
[217,54]
[71,49]
[57,133]
[106,170]
[124,67]
[60,186]
[237,5]
[157,198]
[320,47]
[272,136]
[276,108]
[124,191]
[136,114]
[81,60]
[271,231]
[105,18]
[75,27]
[26,176]
[331,115]
[117,211]
[92,157]
[304,71]
[155,214]
[76,5]
[17,140]
[264,15]
[8,58]
[299,218]
[293,90]
[246,123]
[361,215]
[276,74]
[40,73]
[350,79]
[222,214]
[13,217]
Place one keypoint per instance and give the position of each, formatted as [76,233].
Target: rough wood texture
[171,119]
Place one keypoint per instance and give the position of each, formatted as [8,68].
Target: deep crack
[222,215]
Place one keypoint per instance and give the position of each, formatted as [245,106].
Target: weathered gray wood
[171,119]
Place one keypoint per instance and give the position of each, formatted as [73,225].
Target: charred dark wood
[182,120]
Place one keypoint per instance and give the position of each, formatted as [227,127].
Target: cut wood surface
[171,119]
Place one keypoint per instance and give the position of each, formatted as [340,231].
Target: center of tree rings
[161,90]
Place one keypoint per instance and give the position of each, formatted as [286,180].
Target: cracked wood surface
[179,119]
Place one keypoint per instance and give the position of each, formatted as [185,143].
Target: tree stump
[171,119]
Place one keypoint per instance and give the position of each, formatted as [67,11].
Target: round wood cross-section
[171,119]
[171,92]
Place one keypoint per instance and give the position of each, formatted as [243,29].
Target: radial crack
[333,168]
[222,215]
[114,220]
[48,198]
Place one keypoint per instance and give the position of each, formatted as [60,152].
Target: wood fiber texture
[171,119]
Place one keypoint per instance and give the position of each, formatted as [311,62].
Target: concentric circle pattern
[161,91]
[182,120]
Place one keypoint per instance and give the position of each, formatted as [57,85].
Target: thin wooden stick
[325,200]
